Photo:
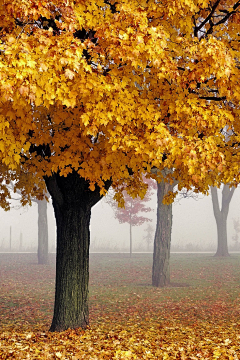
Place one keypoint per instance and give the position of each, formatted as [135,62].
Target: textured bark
[162,240]
[72,202]
[42,232]
[221,217]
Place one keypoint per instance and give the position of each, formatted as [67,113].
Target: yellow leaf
[69,74]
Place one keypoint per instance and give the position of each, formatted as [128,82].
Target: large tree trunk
[162,240]
[221,217]
[42,232]
[72,202]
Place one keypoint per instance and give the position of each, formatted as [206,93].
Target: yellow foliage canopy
[102,87]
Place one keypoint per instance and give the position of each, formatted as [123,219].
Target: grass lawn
[197,317]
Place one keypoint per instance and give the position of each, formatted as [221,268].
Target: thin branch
[229,13]
[213,98]
[197,28]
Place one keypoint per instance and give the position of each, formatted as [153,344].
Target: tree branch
[215,201]
[197,28]
[213,98]
[228,14]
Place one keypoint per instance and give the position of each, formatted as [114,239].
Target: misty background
[194,226]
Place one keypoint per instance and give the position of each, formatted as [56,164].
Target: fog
[193,226]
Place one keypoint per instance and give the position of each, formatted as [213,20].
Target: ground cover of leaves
[197,317]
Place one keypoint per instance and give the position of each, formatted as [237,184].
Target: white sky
[193,222]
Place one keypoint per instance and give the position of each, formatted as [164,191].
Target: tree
[97,93]
[149,235]
[42,221]
[162,239]
[133,209]
[235,237]
[42,232]
[221,217]
[163,234]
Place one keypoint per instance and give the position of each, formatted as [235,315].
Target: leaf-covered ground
[197,317]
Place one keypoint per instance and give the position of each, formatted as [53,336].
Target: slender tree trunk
[72,202]
[130,224]
[42,232]
[10,239]
[221,217]
[130,239]
[162,240]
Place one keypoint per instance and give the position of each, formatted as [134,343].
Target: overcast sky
[193,222]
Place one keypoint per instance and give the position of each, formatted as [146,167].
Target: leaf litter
[129,319]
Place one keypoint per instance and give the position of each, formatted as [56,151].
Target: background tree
[41,202]
[149,235]
[204,26]
[132,212]
[162,239]
[235,237]
[221,217]
[42,232]
[163,234]
[72,118]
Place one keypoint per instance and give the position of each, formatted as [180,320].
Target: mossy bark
[162,240]
[72,202]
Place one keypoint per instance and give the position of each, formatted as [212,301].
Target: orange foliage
[100,87]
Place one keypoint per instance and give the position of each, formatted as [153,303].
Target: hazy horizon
[193,222]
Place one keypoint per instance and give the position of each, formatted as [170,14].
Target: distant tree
[235,237]
[132,212]
[42,222]
[149,235]
[162,238]
[42,232]
[221,217]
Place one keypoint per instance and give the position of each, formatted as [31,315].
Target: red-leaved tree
[134,209]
